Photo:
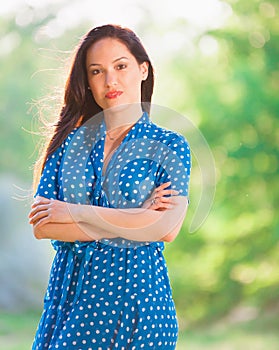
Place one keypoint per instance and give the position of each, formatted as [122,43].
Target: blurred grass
[17,331]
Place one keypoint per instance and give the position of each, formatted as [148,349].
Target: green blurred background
[216,63]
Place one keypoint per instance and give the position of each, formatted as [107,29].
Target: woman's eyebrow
[117,59]
[120,58]
[94,64]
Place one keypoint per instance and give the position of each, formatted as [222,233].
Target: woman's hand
[45,210]
[158,201]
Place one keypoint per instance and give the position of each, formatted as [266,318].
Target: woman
[113,188]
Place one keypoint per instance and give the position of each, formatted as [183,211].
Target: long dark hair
[79,104]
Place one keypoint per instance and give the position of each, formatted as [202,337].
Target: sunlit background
[217,64]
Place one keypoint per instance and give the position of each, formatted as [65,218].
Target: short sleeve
[176,166]
[49,182]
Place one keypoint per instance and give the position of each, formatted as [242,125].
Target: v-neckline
[113,152]
[108,165]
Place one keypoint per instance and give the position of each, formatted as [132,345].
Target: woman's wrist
[76,212]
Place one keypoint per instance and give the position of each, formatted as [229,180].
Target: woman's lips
[113,94]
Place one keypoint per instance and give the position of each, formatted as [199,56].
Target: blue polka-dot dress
[111,293]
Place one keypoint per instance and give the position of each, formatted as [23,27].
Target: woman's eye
[95,71]
[121,66]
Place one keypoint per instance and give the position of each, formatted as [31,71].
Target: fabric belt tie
[81,251]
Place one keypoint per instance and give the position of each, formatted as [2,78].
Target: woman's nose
[111,79]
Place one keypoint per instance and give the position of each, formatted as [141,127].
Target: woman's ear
[144,70]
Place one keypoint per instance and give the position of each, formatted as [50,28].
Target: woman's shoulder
[168,136]
[60,150]
[71,135]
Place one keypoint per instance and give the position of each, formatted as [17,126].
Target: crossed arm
[159,221]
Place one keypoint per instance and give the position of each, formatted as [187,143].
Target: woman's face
[113,73]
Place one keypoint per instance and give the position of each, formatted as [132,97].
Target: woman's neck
[122,117]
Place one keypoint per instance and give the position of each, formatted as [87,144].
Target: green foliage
[30,87]
[232,260]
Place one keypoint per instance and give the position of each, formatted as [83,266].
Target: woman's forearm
[134,224]
[68,232]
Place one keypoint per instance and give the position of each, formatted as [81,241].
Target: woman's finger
[165,200]
[163,186]
[166,193]
[36,219]
[38,216]
[39,201]
[165,206]
[41,222]
[38,209]
[161,202]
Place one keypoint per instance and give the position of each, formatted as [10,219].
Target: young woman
[113,188]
